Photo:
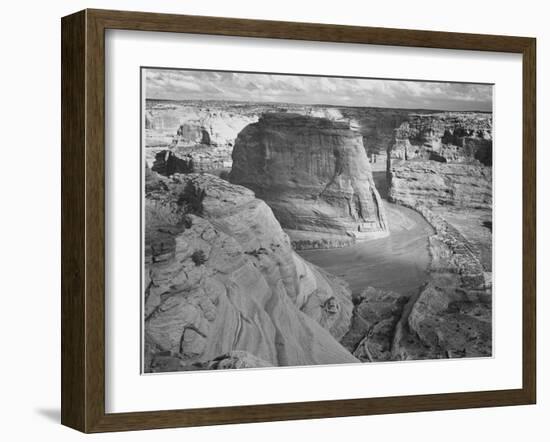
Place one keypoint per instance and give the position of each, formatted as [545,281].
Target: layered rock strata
[438,184]
[445,137]
[202,137]
[199,158]
[190,124]
[221,276]
[314,174]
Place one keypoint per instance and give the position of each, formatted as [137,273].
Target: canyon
[314,174]
[286,234]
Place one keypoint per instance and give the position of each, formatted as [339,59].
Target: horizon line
[318,104]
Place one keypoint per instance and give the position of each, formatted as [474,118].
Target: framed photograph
[267,220]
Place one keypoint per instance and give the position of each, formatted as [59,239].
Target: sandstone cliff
[220,276]
[201,137]
[198,158]
[314,174]
[211,127]
[445,137]
[377,126]
[437,184]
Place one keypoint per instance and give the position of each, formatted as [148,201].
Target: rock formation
[438,184]
[199,158]
[221,276]
[374,322]
[449,317]
[212,128]
[452,315]
[441,166]
[314,174]
[377,126]
[168,163]
[445,137]
[233,360]
[224,289]
[202,137]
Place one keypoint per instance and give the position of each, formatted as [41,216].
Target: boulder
[374,320]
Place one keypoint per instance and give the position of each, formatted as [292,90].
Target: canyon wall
[186,138]
[224,288]
[315,176]
[441,166]
[221,277]
[377,126]
[449,317]
[452,315]
[445,137]
[198,129]
[433,184]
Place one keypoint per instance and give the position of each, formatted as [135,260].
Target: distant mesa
[314,174]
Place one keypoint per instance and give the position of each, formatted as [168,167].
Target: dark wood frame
[83,217]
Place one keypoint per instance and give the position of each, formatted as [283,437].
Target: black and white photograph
[300,220]
[275,221]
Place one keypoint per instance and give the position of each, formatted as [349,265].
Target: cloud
[215,85]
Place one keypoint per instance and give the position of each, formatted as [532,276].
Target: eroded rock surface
[201,137]
[314,174]
[235,359]
[445,137]
[221,276]
[224,288]
[433,184]
[452,316]
[375,318]
[449,317]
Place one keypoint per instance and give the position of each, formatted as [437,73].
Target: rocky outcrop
[315,176]
[221,276]
[168,163]
[452,315]
[438,184]
[449,317]
[236,359]
[203,137]
[190,124]
[441,165]
[374,322]
[212,128]
[199,158]
[377,126]
[445,137]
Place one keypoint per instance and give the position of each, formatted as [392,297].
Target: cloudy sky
[214,85]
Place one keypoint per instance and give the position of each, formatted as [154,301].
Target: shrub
[198,257]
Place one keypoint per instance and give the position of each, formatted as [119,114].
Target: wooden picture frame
[83,220]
